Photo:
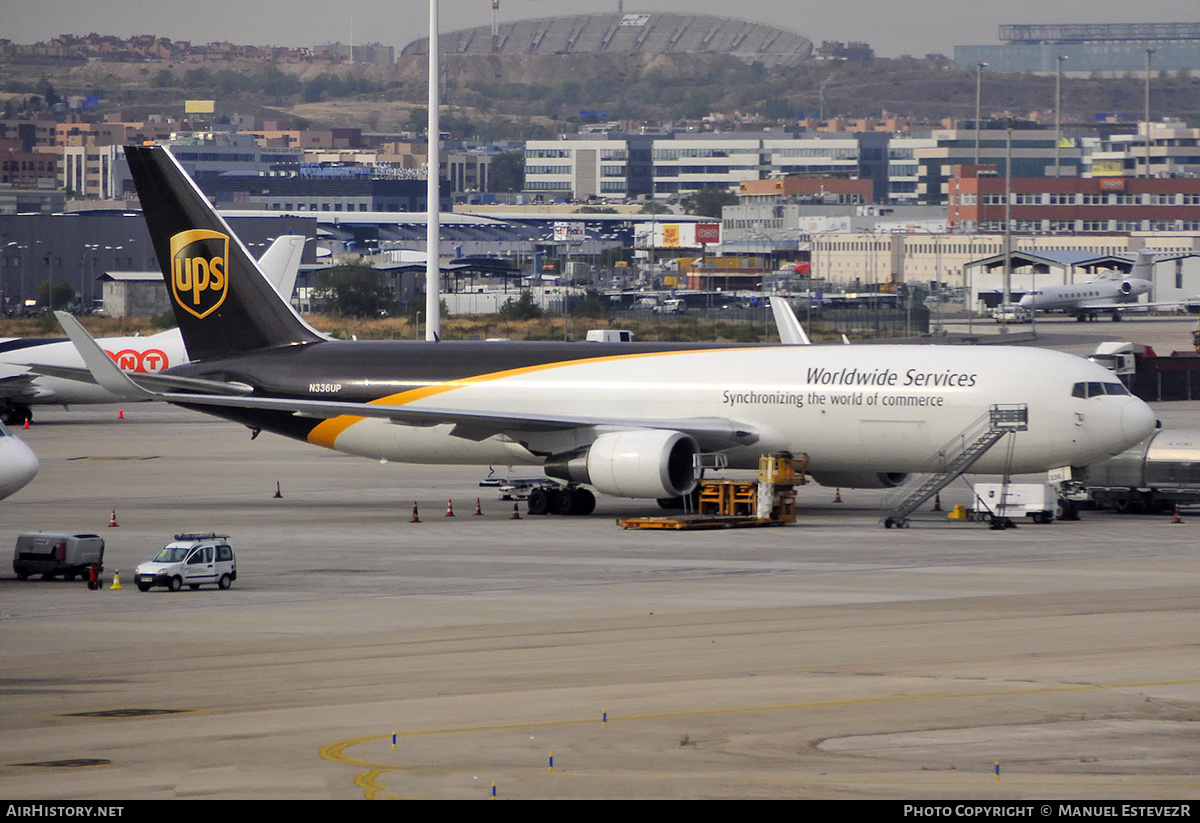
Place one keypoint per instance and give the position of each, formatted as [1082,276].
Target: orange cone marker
[478,511]
[112,523]
[415,518]
[449,508]
[516,515]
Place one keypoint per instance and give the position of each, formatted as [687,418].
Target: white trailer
[1037,501]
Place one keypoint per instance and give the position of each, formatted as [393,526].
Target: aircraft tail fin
[791,333]
[281,263]
[1143,267]
[223,303]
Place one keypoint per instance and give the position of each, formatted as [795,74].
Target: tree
[355,291]
[508,171]
[523,308]
[55,294]
[708,202]
[654,207]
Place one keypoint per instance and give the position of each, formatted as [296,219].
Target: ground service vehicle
[193,559]
[53,553]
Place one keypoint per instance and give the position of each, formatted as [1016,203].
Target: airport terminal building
[1092,48]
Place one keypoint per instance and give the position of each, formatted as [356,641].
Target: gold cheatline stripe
[327,432]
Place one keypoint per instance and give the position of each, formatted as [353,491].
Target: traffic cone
[937,502]
[415,517]
[837,495]
[116,580]
[449,508]
[1176,518]
[516,515]
[478,511]
[278,492]
[120,414]
[26,424]
[112,523]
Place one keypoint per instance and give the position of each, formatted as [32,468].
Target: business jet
[18,463]
[626,419]
[1101,294]
[21,388]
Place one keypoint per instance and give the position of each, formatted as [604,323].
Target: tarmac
[360,655]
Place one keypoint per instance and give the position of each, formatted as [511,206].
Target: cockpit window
[1086,390]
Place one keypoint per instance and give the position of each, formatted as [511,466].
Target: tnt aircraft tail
[222,302]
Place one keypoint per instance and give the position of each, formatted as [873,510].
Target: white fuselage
[851,409]
[1097,295]
[142,355]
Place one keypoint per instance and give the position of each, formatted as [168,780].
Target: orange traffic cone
[837,495]
[478,511]
[516,515]
[112,523]
[449,508]
[415,517]
[937,502]
[1176,518]
[26,427]
[120,414]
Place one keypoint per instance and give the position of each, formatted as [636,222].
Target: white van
[54,553]
[609,336]
[193,559]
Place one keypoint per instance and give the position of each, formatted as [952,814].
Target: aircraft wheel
[670,503]
[225,582]
[564,504]
[585,502]
[8,416]
[538,502]
[176,583]
[1116,317]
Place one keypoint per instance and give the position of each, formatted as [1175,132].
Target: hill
[524,96]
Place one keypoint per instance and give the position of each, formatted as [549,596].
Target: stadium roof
[651,33]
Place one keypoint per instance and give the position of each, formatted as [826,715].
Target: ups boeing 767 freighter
[623,419]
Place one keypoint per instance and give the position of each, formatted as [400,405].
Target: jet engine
[643,463]
[1126,288]
[859,480]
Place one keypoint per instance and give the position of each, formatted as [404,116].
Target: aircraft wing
[150,382]
[710,433]
[16,381]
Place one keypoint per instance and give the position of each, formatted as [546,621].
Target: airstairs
[954,459]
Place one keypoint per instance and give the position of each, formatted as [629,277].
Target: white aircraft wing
[16,381]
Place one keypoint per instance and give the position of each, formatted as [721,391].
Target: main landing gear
[15,414]
[568,500]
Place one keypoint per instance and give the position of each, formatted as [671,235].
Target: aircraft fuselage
[850,408]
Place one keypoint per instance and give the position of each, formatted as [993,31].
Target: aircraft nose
[1137,421]
[21,466]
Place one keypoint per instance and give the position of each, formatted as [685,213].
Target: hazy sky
[892,28]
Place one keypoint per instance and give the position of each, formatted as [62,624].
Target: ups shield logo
[199,270]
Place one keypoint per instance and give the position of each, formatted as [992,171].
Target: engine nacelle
[1126,288]
[859,480]
[647,463]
